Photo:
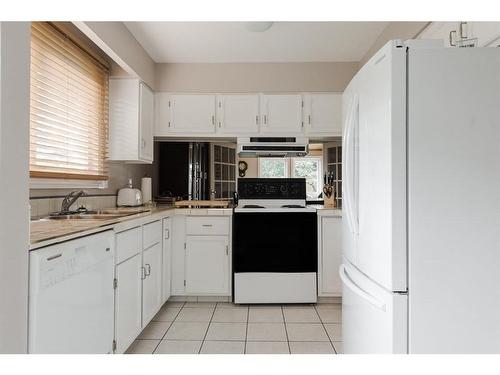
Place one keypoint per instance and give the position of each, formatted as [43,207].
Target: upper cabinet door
[162,114]
[281,114]
[192,114]
[238,114]
[323,114]
[146,123]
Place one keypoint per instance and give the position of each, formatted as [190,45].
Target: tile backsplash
[43,206]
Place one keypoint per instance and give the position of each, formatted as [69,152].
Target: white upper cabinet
[191,114]
[237,114]
[146,123]
[281,114]
[162,114]
[131,120]
[316,114]
[323,114]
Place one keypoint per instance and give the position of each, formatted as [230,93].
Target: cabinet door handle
[265,119]
[213,120]
[207,225]
[167,234]
[227,249]
[309,119]
[143,273]
[256,120]
[148,269]
[54,257]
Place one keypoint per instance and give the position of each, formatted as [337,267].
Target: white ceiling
[225,42]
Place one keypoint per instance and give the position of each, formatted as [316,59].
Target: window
[273,167]
[68,108]
[309,168]
[224,167]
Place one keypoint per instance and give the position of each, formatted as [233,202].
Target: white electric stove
[274,242]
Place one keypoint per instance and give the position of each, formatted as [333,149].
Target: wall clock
[242,167]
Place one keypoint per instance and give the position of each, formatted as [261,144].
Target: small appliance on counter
[146,189]
[128,196]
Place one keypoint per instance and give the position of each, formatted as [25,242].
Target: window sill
[55,183]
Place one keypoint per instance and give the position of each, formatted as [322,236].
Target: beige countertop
[44,232]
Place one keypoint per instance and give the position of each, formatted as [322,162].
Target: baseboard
[200,298]
[329,300]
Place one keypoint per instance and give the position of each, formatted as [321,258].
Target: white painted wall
[14,200]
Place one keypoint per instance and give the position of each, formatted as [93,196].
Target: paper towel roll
[146,190]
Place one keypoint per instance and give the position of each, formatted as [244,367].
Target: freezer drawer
[374,320]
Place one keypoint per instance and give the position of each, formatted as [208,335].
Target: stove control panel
[272,188]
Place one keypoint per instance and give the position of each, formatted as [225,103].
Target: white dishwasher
[71,296]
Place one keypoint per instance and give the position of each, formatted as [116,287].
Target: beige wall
[395,30]
[253,163]
[118,176]
[254,77]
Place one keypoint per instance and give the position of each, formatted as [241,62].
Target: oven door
[275,257]
[275,242]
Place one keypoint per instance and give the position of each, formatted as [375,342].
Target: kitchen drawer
[207,225]
[128,243]
[151,234]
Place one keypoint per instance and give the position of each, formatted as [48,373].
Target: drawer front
[128,243]
[207,225]
[151,234]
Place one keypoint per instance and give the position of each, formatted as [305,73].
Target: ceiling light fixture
[258,27]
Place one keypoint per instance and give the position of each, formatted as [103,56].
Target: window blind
[68,108]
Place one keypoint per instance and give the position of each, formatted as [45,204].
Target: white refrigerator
[421,201]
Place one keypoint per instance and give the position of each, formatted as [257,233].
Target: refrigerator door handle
[349,165]
[360,292]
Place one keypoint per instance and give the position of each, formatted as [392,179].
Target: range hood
[273,146]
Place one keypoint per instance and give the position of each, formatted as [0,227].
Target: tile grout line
[208,327]
[327,335]
[286,330]
[246,331]
[176,315]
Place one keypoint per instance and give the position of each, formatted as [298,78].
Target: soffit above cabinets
[234,42]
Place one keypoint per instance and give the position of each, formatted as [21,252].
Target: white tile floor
[225,328]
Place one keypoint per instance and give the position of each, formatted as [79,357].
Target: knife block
[330,202]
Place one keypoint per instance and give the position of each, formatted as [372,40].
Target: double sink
[94,215]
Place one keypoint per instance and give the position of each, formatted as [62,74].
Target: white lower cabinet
[201,255]
[151,283]
[128,305]
[167,259]
[138,281]
[329,256]
[207,265]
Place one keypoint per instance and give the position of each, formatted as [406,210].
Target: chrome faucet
[70,199]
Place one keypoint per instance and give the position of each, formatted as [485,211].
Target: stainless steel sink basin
[95,215]
[119,212]
[84,217]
